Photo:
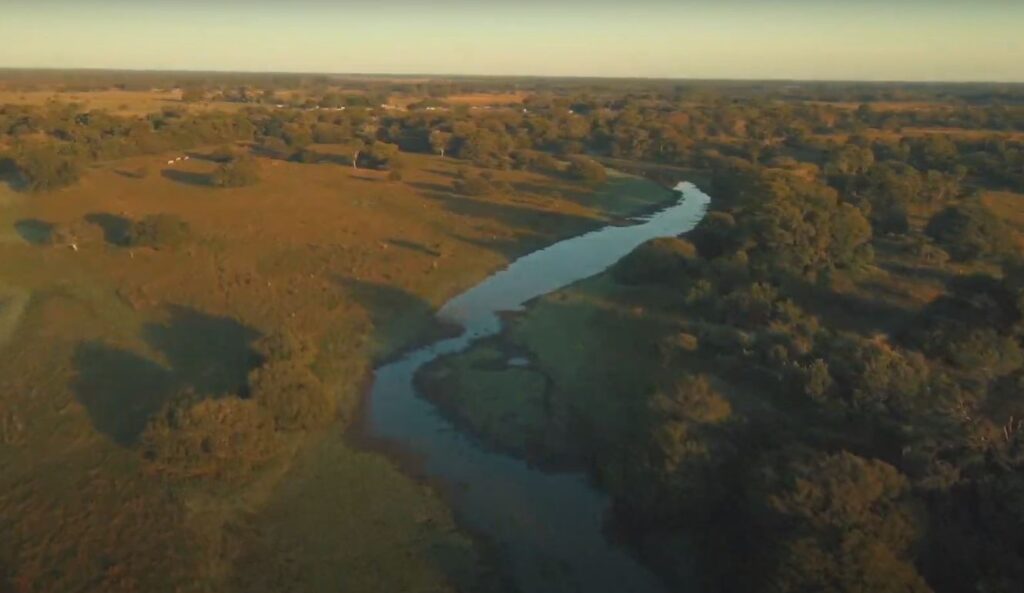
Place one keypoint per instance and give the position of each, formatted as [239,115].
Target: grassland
[100,336]
[125,103]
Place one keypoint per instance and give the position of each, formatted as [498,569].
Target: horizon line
[520,76]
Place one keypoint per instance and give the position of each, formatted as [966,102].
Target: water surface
[547,525]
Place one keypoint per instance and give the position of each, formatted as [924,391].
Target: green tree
[440,141]
[971,231]
[240,172]
[835,522]
[159,230]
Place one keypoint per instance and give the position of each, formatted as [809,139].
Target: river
[547,526]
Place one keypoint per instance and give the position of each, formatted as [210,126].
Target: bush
[193,437]
[394,175]
[586,170]
[657,261]
[286,387]
[158,230]
[223,154]
[44,169]
[76,232]
[970,231]
[292,394]
[238,173]
[473,185]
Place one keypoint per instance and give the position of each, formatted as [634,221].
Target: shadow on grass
[140,173]
[115,228]
[537,220]
[431,187]
[186,177]
[209,353]
[413,246]
[398,317]
[121,390]
[851,312]
[34,231]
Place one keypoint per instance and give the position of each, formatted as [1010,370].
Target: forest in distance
[818,388]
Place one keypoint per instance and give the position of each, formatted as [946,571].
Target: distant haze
[976,40]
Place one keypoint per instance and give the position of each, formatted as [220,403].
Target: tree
[287,388]
[834,522]
[43,168]
[192,94]
[587,170]
[661,260]
[440,141]
[381,155]
[970,231]
[670,471]
[194,437]
[75,234]
[240,172]
[158,230]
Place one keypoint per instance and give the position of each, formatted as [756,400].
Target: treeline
[857,460]
[650,128]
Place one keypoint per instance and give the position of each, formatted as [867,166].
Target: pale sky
[981,40]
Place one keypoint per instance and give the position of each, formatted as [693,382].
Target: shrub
[657,261]
[43,169]
[473,185]
[238,173]
[970,231]
[394,175]
[158,230]
[286,386]
[223,154]
[76,232]
[193,437]
[307,156]
[586,170]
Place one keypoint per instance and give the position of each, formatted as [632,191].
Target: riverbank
[346,257]
[485,488]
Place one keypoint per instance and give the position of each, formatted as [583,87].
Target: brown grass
[128,103]
[341,254]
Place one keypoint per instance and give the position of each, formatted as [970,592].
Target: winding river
[548,526]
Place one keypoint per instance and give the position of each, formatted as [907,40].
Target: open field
[109,333]
[471,99]
[119,102]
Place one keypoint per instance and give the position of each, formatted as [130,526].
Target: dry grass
[128,103]
[341,254]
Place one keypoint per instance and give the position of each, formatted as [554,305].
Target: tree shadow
[115,228]
[850,312]
[34,231]
[140,173]
[431,187]
[552,191]
[398,317]
[186,177]
[413,246]
[212,354]
[538,221]
[121,390]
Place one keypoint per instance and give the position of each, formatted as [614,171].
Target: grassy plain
[125,103]
[100,337]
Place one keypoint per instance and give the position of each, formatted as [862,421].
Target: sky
[957,40]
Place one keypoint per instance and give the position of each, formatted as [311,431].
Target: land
[848,315]
[99,336]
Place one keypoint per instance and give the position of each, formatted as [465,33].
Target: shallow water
[548,526]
